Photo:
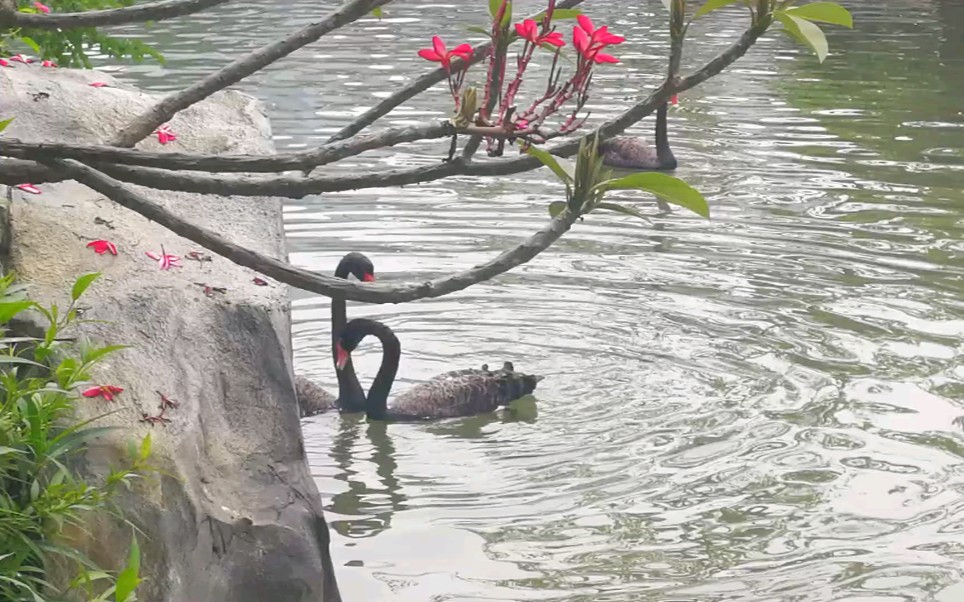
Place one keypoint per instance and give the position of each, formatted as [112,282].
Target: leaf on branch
[82,284]
[616,208]
[5,123]
[711,5]
[805,32]
[9,309]
[825,12]
[31,44]
[556,207]
[552,163]
[495,5]
[559,14]
[670,189]
[377,12]
[128,579]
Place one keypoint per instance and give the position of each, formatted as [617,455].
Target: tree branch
[146,123]
[329,153]
[155,11]
[415,88]
[305,279]
[16,172]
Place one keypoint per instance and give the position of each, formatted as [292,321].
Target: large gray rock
[242,520]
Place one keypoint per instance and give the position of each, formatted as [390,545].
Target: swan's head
[353,333]
[347,342]
[358,265]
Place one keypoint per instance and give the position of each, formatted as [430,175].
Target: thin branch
[415,88]
[329,153]
[305,279]
[155,11]
[161,112]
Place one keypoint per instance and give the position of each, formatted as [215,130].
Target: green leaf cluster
[40,494]
[70,48]
[587,183]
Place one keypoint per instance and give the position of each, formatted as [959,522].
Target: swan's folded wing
[464,393]
[312,399]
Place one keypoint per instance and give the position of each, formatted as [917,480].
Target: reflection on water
[759,407]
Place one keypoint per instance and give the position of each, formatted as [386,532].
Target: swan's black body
[450,395]
[312,399]
[628,152]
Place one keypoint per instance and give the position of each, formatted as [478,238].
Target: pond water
[759,407]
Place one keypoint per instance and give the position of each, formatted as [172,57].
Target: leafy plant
[40,494]
[69,47]
[587,182]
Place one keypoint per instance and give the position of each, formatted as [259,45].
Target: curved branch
[298,187]
[415,88]
[161,112]
[329,153]
[329,286]
[154,11]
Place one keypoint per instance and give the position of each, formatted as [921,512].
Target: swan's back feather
[464,393]
[629,152]
[312,399]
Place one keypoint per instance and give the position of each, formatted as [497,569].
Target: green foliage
[39,436]
[588,182]
[711,5]
[5,123]
[69,48]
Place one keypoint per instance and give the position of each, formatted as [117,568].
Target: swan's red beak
[369,277]
[342,356]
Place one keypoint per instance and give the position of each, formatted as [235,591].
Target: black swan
[630,152]
[452,394]
[312,399]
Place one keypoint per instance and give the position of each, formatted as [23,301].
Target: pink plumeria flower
[102,246]
[589,41]
[42,7]
[673,99]
[164,260]
[48,64]
[28,188]
[5,63]
[165,135]
[529,30]
[97,84]
[106,391]
[439,53]
[20,58]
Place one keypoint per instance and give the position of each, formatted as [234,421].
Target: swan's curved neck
[351,396]
[663,152]
[377,406]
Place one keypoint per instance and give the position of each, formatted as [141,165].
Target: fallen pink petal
[28,188]
[102,246]
[21,59]
[164,260]
[260,281]
[5,63]
[98,84]
[48,64]
[106,391]
[165,135]
[42,7]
